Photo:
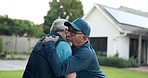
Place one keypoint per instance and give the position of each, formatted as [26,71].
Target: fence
[18,44]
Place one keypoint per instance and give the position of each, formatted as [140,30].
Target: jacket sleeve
[74,63]
[38,44]
[40,41]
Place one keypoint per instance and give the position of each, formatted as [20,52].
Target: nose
[68,37]
[68,34]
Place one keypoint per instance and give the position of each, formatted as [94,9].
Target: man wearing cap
[83,61]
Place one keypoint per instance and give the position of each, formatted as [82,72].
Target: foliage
[132,62]
[34,31]
[5,27]
[11,55]
[19,27]
[1,45]
[113,61]
[66,9]
[9,52]
[117,62]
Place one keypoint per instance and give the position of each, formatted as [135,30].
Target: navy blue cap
[80,25]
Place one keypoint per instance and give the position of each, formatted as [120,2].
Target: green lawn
[109,71]
[11,74]
[123,73]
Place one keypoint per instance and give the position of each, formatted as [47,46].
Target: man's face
[65,34]
[75,36]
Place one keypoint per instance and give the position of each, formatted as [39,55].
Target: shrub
[132,62]
[1,45]
[113,61]
[22,53]
[8,52]
[117,62]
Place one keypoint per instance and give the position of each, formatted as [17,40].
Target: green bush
[113,61]
[22,53]
[9,52]
[117,62]
[132,62]
[1,45]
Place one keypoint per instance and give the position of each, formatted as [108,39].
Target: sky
[35,10]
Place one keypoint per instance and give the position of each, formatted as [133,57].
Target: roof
[134,11]
[128,18]
[128,21]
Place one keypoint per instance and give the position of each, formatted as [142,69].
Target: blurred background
[24,22]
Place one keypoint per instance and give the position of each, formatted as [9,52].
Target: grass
[110,72]
[11,74]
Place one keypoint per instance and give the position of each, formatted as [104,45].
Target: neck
[60,33]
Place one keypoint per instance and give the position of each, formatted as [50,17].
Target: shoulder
[63,44]
[86,50]
[85,53]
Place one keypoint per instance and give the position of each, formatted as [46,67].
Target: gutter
[118,36]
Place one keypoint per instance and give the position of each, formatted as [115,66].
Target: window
[133,48]
[100,45]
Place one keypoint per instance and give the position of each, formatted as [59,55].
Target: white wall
[102,26]
[123,46]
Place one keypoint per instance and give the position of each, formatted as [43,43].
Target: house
[118,31]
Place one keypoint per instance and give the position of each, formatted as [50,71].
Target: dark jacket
[38,66]
[83,61]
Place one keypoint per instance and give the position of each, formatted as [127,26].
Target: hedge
[1,45]
[116,62]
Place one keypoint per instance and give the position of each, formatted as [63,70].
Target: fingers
[43,42]
[51,38]
[57,37]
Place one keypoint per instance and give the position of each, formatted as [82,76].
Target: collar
[86,44]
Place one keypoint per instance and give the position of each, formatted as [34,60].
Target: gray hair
[58,25]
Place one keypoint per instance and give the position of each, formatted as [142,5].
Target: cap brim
[67,24]
[72,24]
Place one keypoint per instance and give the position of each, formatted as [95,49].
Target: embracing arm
[74,63]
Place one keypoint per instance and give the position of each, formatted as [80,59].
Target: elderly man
[38,66]
[83,61]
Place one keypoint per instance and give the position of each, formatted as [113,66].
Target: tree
[66,9]
[6,25]
[19,27]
